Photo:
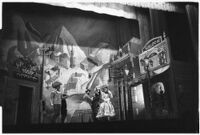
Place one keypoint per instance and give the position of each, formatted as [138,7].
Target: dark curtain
[176,27]
[126,29]
[158,22]
[192,14]
[180,39]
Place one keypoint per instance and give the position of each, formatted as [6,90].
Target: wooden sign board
[115,73]
[26,69]
[151,43]
[158,55]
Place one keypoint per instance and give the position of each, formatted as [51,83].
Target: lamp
[42,60]
[120,52]
[126,70]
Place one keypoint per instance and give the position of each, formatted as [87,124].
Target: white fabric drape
[171,7]
[114,9]
[120,9]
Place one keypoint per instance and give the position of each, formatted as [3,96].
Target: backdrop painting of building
[69,65]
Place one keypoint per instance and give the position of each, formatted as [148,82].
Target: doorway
[24,105]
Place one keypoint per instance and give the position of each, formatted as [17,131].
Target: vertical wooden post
[41,86]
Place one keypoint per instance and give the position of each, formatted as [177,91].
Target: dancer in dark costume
[63,110]
[96,103]
[83,113]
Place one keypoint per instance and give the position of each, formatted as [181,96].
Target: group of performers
[97,107]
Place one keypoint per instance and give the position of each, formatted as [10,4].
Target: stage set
[75,64]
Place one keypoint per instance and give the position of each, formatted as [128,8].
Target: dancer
[85,110]
[55,100]
[96,102]
[106,109]
[63,108]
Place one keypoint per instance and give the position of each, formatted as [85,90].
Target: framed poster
[158,56]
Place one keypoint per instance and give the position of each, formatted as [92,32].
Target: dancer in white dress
[106,109]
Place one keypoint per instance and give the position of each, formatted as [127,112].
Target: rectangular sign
[115,73]
[158,57]
[25,76]
[26,69]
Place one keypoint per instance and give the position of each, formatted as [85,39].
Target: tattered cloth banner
[121,9]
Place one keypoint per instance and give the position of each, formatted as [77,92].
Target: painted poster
[158,56]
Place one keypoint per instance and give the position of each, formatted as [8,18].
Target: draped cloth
[121,9]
